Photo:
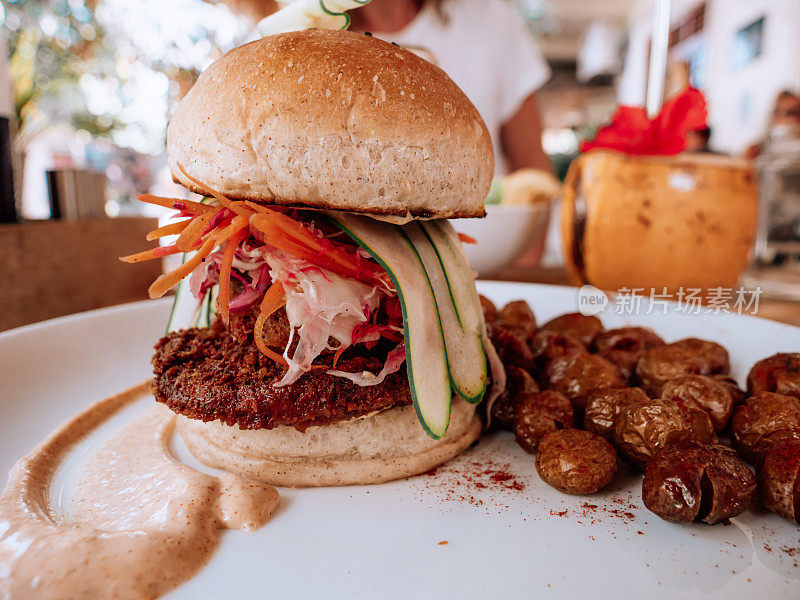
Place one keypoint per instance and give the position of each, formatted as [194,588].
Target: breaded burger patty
[208,374]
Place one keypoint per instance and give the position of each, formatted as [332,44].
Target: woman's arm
[521,137]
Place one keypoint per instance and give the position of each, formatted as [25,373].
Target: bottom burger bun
[371,449]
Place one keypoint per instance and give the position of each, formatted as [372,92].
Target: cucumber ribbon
[442,320]
[309,14]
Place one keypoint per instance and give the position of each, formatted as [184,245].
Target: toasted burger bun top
[333,120]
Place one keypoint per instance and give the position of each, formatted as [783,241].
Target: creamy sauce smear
[140,524]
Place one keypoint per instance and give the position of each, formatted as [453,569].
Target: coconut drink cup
[640,213]
[683,221]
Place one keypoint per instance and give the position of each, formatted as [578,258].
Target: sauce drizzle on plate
[140,524]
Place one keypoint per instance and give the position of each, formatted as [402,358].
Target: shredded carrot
[278,239]
[157,252]
[195,208]
[295,229]
[465,239]
[224,297]
[338,355]
[273,299]
[188,239]
[169,229]
[242,205]
[256,207]
[222,199]
[161,285]
[266,350]
[302,234]
[290,236]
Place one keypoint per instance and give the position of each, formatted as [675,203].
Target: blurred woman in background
[784,122]
[786,112]
[485,48]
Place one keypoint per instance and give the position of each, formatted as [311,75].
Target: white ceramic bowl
[503,235]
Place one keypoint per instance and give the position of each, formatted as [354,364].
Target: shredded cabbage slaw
[334,295]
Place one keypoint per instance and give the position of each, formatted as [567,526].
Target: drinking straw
[659,44]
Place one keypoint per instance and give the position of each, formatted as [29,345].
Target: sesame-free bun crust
[372,449]
[333,120]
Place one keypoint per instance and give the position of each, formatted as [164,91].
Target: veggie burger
[326,328]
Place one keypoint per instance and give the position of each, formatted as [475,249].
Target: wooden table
[55,268]
[785,311]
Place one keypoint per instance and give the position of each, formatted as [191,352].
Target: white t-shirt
[484,47]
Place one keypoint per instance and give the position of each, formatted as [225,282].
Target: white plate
[383,541]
